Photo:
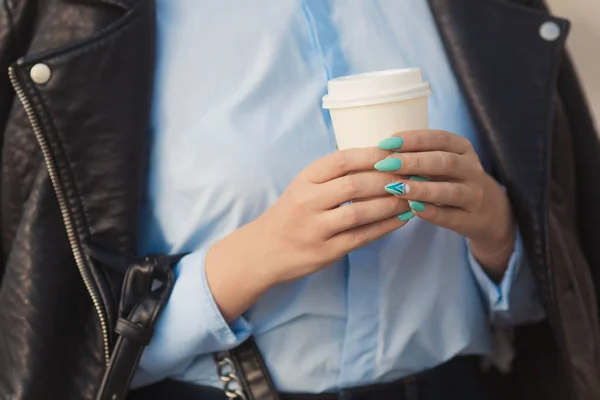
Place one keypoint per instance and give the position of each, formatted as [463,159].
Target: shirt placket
[359,349]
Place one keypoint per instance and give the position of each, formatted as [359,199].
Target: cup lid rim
[374,74]
[417,91]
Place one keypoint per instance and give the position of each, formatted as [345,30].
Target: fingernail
[399,188]
[391,143]
[388,165]
[418,178]
[417,206]
[405,216]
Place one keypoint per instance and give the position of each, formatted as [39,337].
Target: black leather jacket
[74,161]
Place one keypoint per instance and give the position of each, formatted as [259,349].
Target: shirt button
[549,31]
[40,73]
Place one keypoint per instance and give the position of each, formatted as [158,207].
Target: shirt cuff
[191,323]
[497,294]
[514,300]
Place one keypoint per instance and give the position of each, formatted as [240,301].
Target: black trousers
[458,379]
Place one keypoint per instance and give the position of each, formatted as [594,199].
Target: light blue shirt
[237,114]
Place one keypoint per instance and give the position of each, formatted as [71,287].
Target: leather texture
[83,161]
[93,116]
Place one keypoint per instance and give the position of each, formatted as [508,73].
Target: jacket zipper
[75,247]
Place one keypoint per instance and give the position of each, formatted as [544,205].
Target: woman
[392,296]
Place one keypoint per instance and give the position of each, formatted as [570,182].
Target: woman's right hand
[306,229]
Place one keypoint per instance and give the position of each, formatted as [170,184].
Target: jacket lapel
[507,72]
[90,114]
[506,59]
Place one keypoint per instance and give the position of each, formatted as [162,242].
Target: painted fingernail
[418,178]
[391,143]
[388,165]
[417,206]
[405,216]
[399,188]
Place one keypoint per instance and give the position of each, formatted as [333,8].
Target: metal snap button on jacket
[549,31]
[40,73]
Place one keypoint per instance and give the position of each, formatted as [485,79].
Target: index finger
[427,140]
[343,162]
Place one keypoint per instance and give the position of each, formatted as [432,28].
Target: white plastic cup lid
[375,88]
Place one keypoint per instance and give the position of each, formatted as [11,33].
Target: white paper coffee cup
[367,108]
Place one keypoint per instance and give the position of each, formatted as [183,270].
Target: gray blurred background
[584,43]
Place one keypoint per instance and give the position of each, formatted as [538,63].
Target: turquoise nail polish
[418,178]
[388,165]
[417,206]
[391,143]
[399,188]
[405,216]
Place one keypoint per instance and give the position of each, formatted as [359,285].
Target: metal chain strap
[232,385]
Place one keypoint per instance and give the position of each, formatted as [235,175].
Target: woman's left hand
[457,194]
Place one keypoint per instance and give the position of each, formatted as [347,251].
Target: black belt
[461,373]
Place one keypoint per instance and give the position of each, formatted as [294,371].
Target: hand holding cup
[458,194]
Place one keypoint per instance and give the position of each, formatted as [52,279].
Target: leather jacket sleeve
[7,54]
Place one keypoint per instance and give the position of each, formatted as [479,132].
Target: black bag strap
[242,369]
[244,373]
[146,288]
